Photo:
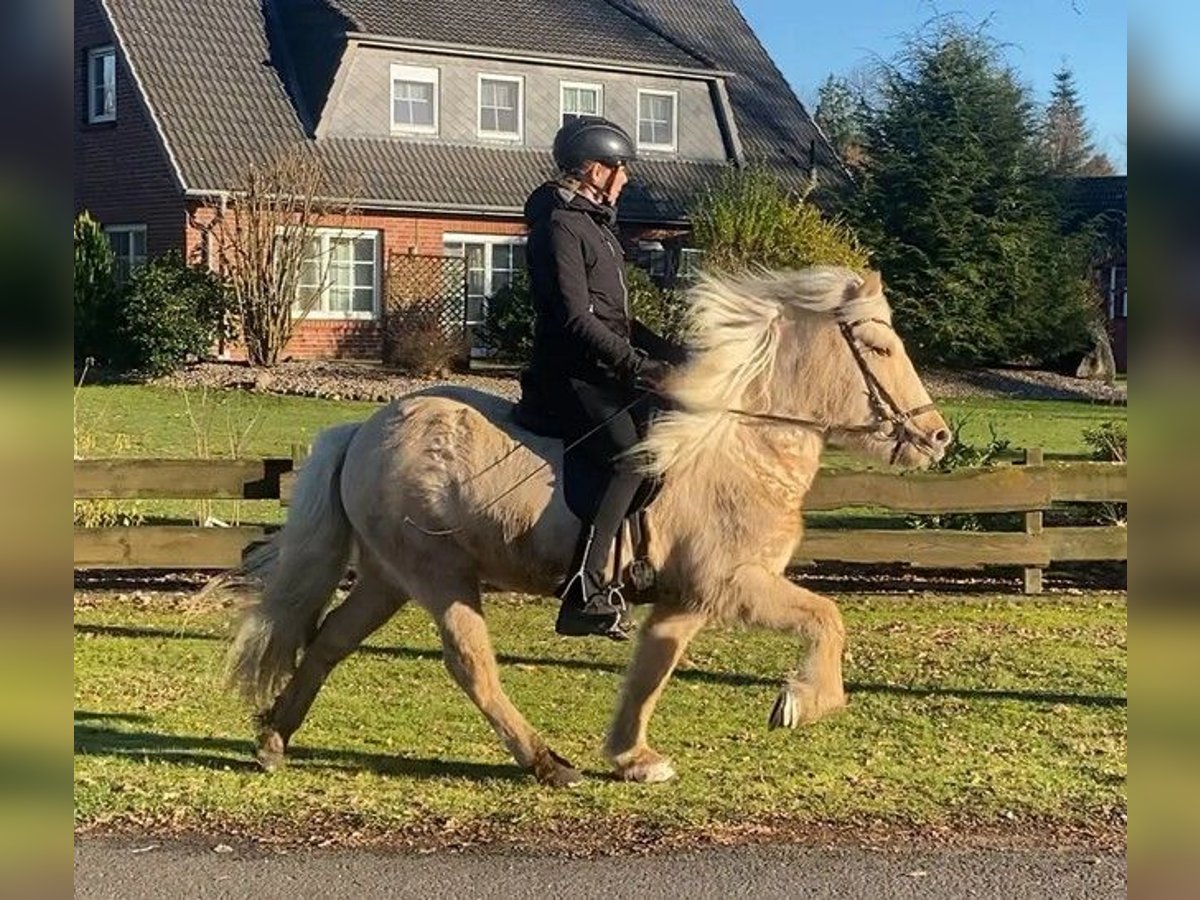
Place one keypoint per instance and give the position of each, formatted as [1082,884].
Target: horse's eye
[879,351]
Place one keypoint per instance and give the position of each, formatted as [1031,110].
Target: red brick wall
[323,338]
[122,174]
[357,339]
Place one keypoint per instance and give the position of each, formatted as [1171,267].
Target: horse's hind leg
[771,601]
[468,655]
[370,603]
[661,643]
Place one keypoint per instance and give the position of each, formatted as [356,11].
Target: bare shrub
[416,341]
[266,245]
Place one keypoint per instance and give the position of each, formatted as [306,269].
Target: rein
[887,419]
[887,416]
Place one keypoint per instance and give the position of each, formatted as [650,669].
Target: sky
[811,40]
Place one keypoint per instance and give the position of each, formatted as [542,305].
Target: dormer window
[501,106]
[658,121]
[581,99]
[414,100]
[102,84]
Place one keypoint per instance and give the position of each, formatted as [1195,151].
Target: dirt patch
[1020,384]
[346,380]
[591,838]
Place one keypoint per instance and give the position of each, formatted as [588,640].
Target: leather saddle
[583,484]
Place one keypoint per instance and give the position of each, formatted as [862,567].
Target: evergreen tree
[1066,138]
[841,114]
[956,208]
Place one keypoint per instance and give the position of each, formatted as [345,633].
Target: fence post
[300,454]
[1033,526]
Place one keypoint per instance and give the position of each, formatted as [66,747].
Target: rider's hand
[652,374]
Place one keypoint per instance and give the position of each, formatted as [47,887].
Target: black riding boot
[591,603]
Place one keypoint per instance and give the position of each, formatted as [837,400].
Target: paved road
[142,869]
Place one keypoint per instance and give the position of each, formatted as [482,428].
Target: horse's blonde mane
[734,336]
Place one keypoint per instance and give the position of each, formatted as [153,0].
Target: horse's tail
[299,569]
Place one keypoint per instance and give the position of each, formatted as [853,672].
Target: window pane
[137,245]
[498,102]
[502,255]
[500,279]
[119,241]
[364,299]
[413,103]
[656,119]
[364,250]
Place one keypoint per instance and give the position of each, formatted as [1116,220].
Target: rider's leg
[589,607]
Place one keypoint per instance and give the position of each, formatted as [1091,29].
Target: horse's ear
[872,285]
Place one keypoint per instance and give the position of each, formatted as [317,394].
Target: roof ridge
[671,39]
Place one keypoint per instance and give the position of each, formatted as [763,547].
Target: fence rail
[1030,488]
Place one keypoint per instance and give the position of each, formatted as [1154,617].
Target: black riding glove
[651,374]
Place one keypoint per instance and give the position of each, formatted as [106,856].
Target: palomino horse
[423,495]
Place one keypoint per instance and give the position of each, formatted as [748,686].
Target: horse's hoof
[649,773]
[799,704]
[646,767]
[271,751]
[555,771]
[786,711]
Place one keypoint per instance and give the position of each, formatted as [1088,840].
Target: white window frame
[519,80]
[423,75]
[325,234]
[489,241]
[94,58]
[663,148]
[564,86]
[132,263]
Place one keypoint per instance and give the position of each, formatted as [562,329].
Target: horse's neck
[782,459]
[762,472]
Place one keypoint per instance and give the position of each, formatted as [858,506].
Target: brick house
[440,118]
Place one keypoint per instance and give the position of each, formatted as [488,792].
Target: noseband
[888,419]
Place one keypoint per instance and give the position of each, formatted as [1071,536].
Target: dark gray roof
[495,179]
[540,26]
[225,97]
[774,126]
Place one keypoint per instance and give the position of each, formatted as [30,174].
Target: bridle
[888,418]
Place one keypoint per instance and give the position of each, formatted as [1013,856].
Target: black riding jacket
[576,266]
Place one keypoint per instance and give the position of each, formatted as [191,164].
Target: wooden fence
[1031,488]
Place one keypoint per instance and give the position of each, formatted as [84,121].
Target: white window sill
[422,130]
[102,119]
[508,137]
[319,315]
[659,148]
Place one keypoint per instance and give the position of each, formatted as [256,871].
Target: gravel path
[341,380]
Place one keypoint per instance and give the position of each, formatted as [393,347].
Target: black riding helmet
[591,139]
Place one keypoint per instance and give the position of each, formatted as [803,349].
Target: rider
[591,361]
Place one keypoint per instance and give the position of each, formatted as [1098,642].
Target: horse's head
[813,349]
[839,361]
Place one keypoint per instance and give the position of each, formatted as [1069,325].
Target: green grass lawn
[982,712]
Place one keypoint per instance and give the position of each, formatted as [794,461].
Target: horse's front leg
[771,601]
[661,643]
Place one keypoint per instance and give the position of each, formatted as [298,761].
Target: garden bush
[169,312]
[95,292]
